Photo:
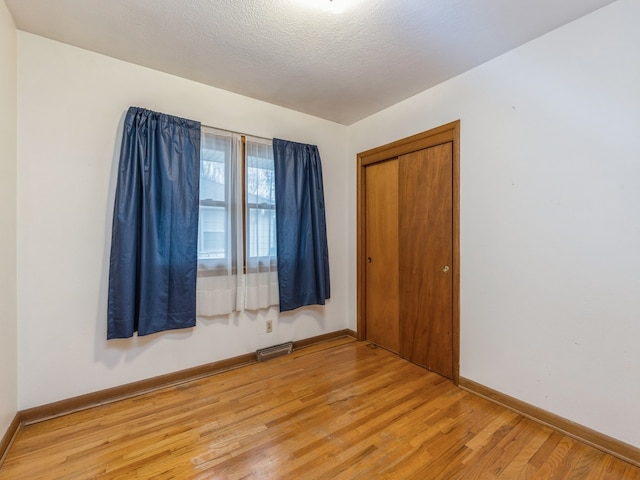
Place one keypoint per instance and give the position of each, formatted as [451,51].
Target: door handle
[369,260]
[445,269]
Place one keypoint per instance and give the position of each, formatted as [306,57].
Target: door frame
[449,132]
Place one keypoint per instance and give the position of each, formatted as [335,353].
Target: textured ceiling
[298,53]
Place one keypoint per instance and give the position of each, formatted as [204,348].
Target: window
[260,210]
[232,210]
[216,154]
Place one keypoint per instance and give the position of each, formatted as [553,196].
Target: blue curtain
[303,256]
[153,266]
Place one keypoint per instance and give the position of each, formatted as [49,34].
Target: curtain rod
[239,133]
[207,126]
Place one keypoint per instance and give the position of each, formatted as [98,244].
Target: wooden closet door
[381,250]
[425,219]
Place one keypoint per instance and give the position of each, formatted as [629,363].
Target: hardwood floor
[337,410]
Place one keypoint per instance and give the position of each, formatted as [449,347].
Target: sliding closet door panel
[425,257]
[381,250]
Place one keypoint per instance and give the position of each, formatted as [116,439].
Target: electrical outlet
[269,326]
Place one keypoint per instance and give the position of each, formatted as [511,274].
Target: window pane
[215,151]
[262,228]
[212,239]
[260,181]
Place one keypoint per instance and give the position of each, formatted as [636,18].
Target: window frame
[218,266]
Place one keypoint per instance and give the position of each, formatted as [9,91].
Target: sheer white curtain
[236,234]
[261,276]
[218,223]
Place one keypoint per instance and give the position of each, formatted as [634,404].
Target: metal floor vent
[275,351]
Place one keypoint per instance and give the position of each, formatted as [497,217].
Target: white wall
[8,315]
[71,104]
[550,218]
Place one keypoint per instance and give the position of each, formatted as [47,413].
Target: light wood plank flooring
[338,410]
